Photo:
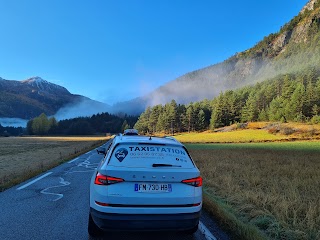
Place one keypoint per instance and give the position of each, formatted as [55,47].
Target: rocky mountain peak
[309,6]
[36,79]
[43,85]
[29,98]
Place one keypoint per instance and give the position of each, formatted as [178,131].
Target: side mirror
[102,150]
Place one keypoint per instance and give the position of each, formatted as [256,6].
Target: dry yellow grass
[254,132]
[246,135]
[22,157]
[293,125]
[277,190]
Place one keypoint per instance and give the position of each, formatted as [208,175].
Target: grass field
[271,186]
[246,135]
[24,157]
[254,132]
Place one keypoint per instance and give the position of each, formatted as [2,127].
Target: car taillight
[102,204]
[106,180]
[196,182]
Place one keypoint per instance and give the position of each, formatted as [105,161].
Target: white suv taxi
[145,184]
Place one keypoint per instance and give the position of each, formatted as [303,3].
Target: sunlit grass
[254,132]
[246,135]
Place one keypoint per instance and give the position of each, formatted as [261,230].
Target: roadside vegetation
[24,157]
[261,179]
[263,190]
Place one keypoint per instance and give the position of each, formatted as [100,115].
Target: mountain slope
[294,48]
[29,98]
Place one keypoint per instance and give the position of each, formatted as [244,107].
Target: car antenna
[150,138]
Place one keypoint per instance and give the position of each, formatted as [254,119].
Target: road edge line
[73,160]
[206,232]
[33,181]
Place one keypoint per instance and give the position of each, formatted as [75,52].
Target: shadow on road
[147,236]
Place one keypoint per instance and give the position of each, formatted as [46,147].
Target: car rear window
[140,155]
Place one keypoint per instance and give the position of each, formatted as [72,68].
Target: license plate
[153,187]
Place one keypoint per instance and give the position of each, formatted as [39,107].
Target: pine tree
[287,88]
[154,116]
[297,102]
[315,110]
[263,116]
[311,94]
[206,107]
[172,116]
[275,111]
[29,127]
[201,121]
[217,112]
[181,112]
[125,125]
[249,112]
[190,117]
[143,121]
[162,122]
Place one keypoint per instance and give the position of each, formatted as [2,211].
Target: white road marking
[63,183]
[59,195]
[33,181]
[206,232]
[73,160]
[87,165]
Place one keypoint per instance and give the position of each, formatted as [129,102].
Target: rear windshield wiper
[164,165]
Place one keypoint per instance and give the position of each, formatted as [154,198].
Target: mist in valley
[13,122]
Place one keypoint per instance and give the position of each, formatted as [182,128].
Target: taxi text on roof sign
[157,149]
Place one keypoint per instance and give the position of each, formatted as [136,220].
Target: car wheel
[192,230]
[93,229]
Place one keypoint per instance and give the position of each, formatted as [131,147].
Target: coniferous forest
[100,123]
[285,98]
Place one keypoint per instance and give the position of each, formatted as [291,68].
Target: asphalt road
[55,205]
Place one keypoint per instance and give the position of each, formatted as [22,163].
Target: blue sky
[115,50]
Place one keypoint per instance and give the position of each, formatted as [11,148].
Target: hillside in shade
[29,98]
[294,48]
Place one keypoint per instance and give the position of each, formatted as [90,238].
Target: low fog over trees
[290,97]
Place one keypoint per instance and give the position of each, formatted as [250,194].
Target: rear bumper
[145,222]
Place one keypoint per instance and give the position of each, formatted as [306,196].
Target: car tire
[93,230]
[192,230]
